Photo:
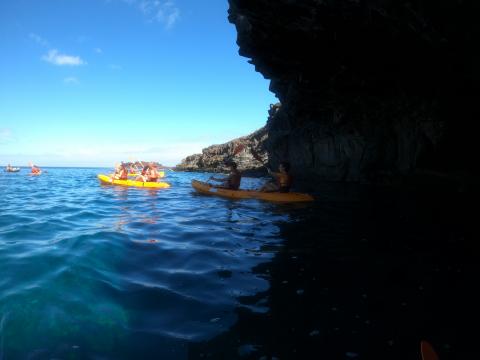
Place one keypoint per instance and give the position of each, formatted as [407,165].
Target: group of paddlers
[148,173]
[282,179]
[35,170]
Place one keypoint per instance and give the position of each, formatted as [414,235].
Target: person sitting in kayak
[152,173]
[133,169]
[233,180]
[36,170]
[283,179]
[149,174]
[121,172]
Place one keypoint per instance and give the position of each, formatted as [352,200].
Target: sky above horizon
[96,82]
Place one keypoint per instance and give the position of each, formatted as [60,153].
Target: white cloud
[71,80]
[56,58]
[98,50]
[165,12]
[38,39]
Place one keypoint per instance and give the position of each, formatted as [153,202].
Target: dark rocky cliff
[370,89]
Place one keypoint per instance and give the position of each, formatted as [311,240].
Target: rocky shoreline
[213,158]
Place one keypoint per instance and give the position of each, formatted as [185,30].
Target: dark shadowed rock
[370,90]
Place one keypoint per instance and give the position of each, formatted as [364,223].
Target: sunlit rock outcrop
[370,89]
[214,158]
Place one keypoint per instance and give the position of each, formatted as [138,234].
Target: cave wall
[369,88]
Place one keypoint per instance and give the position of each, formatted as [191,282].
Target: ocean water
[113,272]
[92,271]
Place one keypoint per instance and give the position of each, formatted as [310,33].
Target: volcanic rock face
[369,88]
[214,158]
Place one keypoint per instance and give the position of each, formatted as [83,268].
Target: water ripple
[88,268]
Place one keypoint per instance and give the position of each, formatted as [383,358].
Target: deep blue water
[109,271]
[89,271]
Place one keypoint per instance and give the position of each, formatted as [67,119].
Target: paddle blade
[427,351]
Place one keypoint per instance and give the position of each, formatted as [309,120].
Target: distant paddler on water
[147,179]
[9,168]
[149,173]
[35,170]
[121,172]
[135,171]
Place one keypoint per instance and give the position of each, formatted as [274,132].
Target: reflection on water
[363,274]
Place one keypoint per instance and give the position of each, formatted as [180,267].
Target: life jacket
[152,175]
[123,175]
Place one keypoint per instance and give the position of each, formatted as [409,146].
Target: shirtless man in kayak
[283,179]
[233,180]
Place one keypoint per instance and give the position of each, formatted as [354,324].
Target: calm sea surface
[89,271]
[105,271]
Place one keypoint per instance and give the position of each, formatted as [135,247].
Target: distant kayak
[13,170]
[161,174]
[208,189]
[104,179]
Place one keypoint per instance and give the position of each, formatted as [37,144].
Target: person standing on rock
[233,180]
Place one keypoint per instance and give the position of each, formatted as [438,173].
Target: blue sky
[94,82]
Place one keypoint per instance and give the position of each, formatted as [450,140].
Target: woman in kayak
[121,172]
[283,179]
[149,174]
[233,180]
[152,173]
[133,169]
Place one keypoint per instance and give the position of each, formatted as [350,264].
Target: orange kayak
[207,189]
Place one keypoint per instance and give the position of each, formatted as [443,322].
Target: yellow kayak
[104,179]
[161,174]
[208,189]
